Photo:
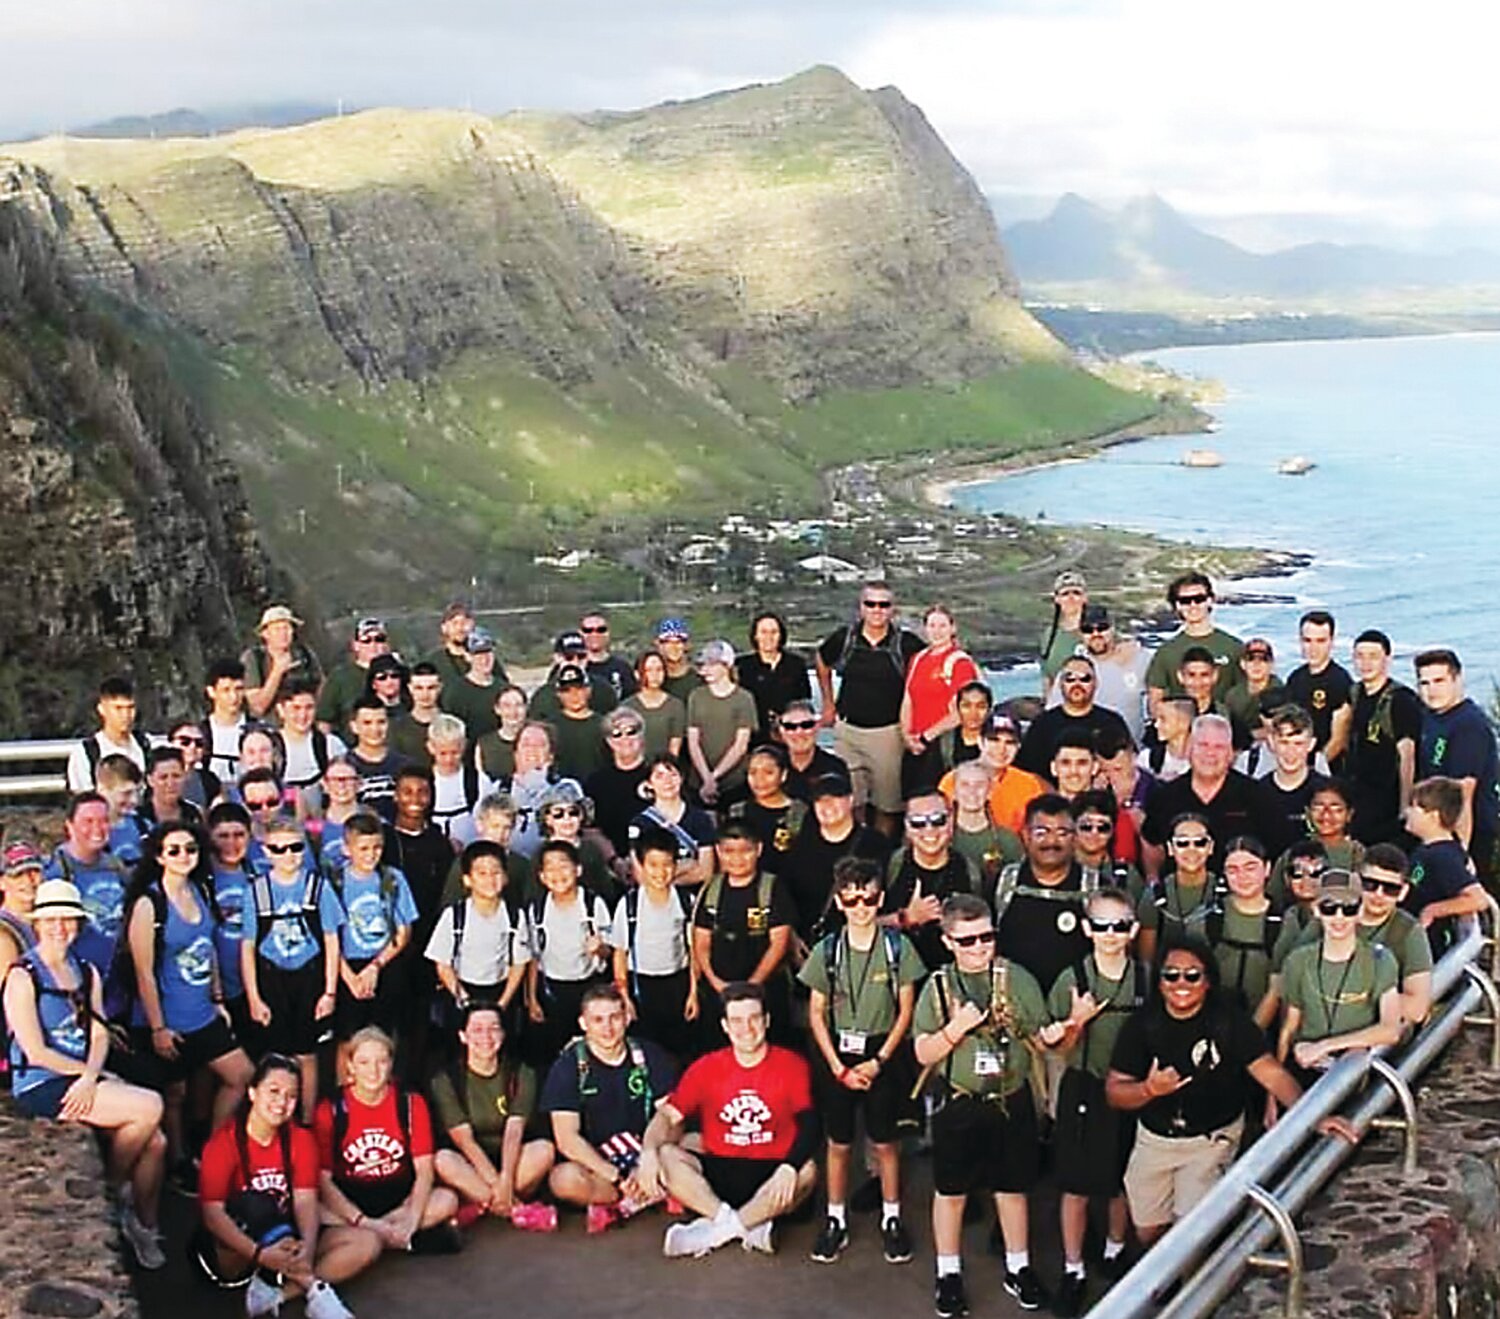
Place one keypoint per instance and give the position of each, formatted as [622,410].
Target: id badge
[986,1063]
[853,1042]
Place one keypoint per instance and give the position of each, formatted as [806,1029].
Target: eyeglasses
[1095,827]
[969,940]
[1331,908]
[859,899]
[1193,599]
[934,821]
[1121,926]
[590,631]
[798,725]
[565,812]
[189,740]
[619,734]
[286,849]
[1188,974]
[180,849]
[1256,655]
[387,677]
[1392,888]
[878,604]
[1192,842]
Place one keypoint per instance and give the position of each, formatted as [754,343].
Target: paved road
[573,1275]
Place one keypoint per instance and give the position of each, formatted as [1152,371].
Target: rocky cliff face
[128,538]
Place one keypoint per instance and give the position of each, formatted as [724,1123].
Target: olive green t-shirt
[474,704]
[1116,874]
[408,740]
[1401,932]
[1170,909]
[862,996]
[1347,855]
[992,1058]
[1337,997]
[660,725]
[1223,646]
[991,850]
[1096,1043]
[719,720]
[578,745]
[488,1102]
[1064,646]
[1245,963]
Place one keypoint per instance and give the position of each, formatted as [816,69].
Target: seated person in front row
[753,1105]
[601,1094]
[484,1103]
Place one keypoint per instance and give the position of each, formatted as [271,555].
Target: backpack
[388,891]
[891,647]
[120,986]
[637,1083]
[539,910]
[82,999]
[1139,989]
[470,799]
[341,1125]
[890,944]
[460,910]
[1270,932]
[1009,885]
[266,915]
[999,993]
[319,740]
[632,919]
[94,753]
[710,895]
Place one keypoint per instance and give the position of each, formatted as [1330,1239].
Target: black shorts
[659,1003]
[292,997]
[562,1003]
[838,1106]
[1091,1141]
[387,1009]
[194,1050]
[375,1199]
[735,1181]
[982,1145]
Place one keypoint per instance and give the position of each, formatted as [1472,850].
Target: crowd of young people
[398,948]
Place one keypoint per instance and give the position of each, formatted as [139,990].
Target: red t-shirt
[372,1150]
[1126,845]
[933,681]
[221,1176]
[746,1112]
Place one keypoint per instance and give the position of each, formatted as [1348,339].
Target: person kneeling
[753,1102]
[484,1104]
[258,1194]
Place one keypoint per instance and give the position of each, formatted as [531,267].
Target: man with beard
[1119,667]
[1077,682]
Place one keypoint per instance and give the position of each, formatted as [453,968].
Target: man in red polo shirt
[753,1104]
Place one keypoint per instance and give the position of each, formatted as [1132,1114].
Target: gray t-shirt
[559,936]
[491,944]
[661,933]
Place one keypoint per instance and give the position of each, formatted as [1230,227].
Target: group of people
[364,957]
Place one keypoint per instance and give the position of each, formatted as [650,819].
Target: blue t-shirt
[289,942]
[126,838]
[1460,744]
[372,917]
[101,885]
[232,893]
[185,969]
[63,1027]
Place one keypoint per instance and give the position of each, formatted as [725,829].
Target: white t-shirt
[557,940]
[491,944]
[81,772]
[661,934]
[224,754]
[452,812]
[1121,687]
[302,764]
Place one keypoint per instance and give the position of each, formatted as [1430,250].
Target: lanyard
[857,991]
[1331,1005]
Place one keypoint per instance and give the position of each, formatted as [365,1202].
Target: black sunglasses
[180,849]
[934,821]
[1192,842]
[1193,599]
[878,604]
[1121,926]
[798,725]
[1190,974]
[284,849]
[1331,908]
[1392,888]
[859,899]
[1096,827]
[969,940]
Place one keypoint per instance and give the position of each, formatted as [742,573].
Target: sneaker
[697,1238]
[261,1298]
[832,1241]
[144,1243]
[1116,1268]
[1068,1303]
[895,1242]
[600,1218]
[183,1178]
[759,1238]
[950,1299]
[1026,1287]
[323,1303]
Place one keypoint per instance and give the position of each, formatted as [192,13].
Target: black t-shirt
[610,1099]
[616,671]
[616,794]
[955,876]
[1214,1047]
[773,688]
[874,677]
[1439,871]
[807,872]
[1045,935]
[1322,695]
[1037,747]
[425,859]
[377,782]
[1228,814]
[696,829]
[1277,816]
[1373,761]
[739,942]
[799,781]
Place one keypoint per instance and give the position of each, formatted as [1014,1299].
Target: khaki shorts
[874,759]
[1167,1176]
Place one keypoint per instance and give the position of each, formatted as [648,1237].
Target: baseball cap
[370,629]
[21,856]
[830,785]
[1335,883]
[277,614]
[716,652]
[1069,580]
[1257,648]
[672,629]
[569,643]
[999,724]
[479,641]
[1094,616]
[570,675]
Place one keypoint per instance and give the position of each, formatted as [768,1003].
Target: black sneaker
[895,1242]
[1026,1287]
[1116,1268]
[1068,1303]
[831,1241]
[950,1300]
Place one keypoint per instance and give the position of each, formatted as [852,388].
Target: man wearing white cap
[277,654]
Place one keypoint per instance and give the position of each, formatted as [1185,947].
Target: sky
[1352,118]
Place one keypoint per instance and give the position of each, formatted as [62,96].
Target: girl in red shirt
[929,707]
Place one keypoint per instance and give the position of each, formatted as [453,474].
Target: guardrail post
[1291,1262]
[1406,1124]
[1490,1018]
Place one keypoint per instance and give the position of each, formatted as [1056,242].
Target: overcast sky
[1365,112]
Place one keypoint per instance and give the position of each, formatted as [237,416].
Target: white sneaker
[759,1238]
[699,1237]
[261,1298]
[143,1241]
[323,1303]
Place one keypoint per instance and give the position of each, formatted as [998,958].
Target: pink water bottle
[534,1217]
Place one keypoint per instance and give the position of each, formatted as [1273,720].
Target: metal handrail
[31,753]
[1175,1256]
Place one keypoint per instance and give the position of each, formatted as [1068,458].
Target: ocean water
[1401,513]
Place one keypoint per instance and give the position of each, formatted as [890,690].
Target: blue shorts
[44,1100]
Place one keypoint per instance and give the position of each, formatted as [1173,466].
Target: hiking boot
[950,1299]
[895,1242]
[1026,1287]
[832,1241]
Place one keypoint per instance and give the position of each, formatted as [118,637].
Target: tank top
[64,1027]
[184,970]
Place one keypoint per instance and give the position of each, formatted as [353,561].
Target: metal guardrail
[1258,1197]
[32,753]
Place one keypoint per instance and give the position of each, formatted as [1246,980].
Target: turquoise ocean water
[1401,513]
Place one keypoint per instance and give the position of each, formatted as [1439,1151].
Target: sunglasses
[1308,872]
[1094,629]
[189,740]
[1188,974]
[878,604]
[387,677]
[1256,655]
[1392,888]
[859,899]
[565,812]
[180,849]
[592,631]
[1192,842]
[620,734]
[934,821]
[373,638]
[1193,599]
[1077,679]
[269,804]
[1121,926]
[285,849]
[1339,908]
[798,725]
[1095,827]
[970,940]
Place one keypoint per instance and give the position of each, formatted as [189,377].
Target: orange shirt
[1010,795]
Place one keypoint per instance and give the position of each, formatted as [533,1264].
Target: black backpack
[94,753]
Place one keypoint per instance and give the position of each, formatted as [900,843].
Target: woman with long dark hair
[772,674]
